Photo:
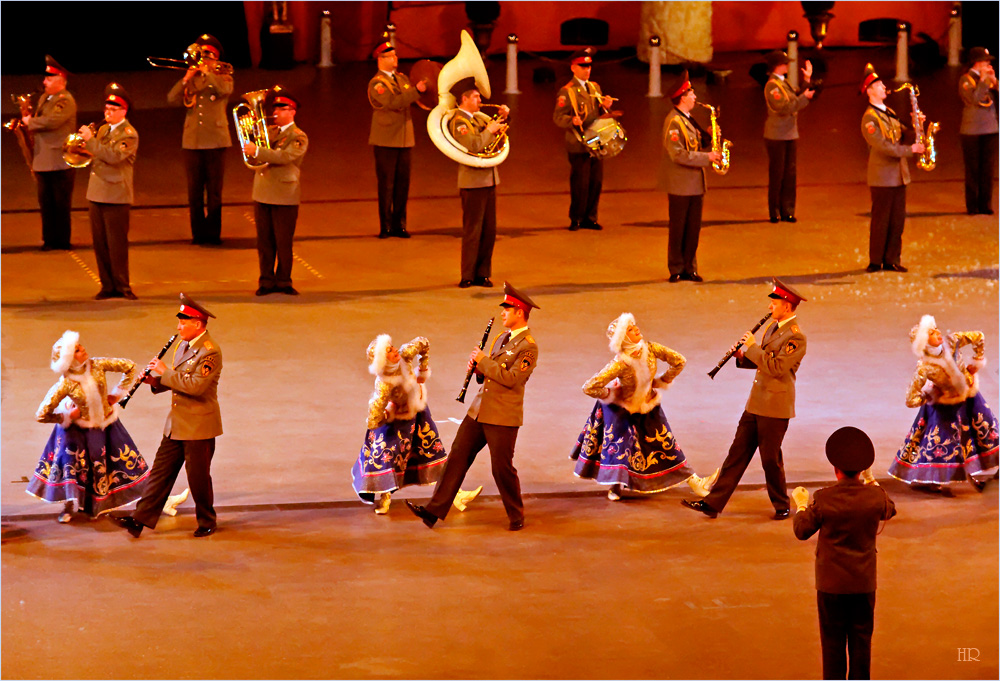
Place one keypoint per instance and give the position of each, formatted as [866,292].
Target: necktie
[770,331]
[394,79]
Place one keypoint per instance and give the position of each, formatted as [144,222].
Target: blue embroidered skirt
[100,470]
[947,442]
[637,451]
[397,454]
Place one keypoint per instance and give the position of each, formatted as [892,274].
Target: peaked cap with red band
[870,77]
[785,292]
[514,298]
[978,54]
[680,86]
[211,42]
[192,310]
[280,96]
[117,95]
[383,47]
[54,68]
[584,57]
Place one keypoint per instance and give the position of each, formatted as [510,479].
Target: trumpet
[498,143]
[251,125]
[25,138]
[74,150]
[195,57]
[718,144]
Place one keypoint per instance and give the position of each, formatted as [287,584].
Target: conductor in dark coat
[847,517]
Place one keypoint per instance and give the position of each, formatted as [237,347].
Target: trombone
[194,58]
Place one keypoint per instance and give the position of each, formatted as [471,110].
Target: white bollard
[512,66]
[654,67]
[390,29]
[903,53]
[955,35]
[793,59]
[325,40]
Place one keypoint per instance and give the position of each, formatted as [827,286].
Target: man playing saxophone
[684,140]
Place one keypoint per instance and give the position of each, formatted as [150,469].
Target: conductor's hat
[514,298]
[850,449]
[192,310]
[784,292]
[54,68]
[116,94]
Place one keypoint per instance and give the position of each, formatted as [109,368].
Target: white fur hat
[617,330]
[63,351]
[376,354]
[920,332]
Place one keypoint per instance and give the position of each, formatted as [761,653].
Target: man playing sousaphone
[476,131]
[578,104]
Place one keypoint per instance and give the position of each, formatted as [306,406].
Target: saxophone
[718,144]
[928,159]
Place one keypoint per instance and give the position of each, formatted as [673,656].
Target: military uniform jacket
[776,358]
[193,376]
[114,158]
[577,99]
[206,125]
[392,125]
[469,130]
[847,517]
[500,401]
[278,182]
[783,106]
[53,121]
[687,163]
[883,132]
[979,112]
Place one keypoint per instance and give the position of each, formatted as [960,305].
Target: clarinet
[124,401]
[472,370]
[729,355]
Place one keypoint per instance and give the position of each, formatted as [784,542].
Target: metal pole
[512,66]
[903,52]
[325,40]
[955,34]
[793,59]
[654,67]
[391,30]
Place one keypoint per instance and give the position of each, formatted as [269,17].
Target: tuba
[928,159]
[718,144]
[74,150]
[467,63]
[251,125]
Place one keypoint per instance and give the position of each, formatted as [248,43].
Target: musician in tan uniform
[888,175]
[475,131]
[52,122]
[781,134]
[770,406]
[390,93]
[276,193]
[110,192]
[495,415]
[977,88]
[578,104]
[685,141]
[192,425]
[206,137]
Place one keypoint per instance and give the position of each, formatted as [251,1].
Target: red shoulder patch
[561,101]
[379,88]
[674,135]
[463,129]
[870,127]
[776,93]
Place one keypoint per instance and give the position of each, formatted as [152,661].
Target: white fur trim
[66,348]
[625,319]
[382,343]
[923,331]
[95,401]
[979,363]
[424,374]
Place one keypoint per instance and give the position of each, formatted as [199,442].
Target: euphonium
[928,159]
[718,144]
[251,126]
[74,151]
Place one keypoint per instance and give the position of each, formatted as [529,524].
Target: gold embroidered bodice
[401,389]
[933,369]
[620,369]
[72,389]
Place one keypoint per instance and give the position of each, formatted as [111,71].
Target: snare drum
[605,138]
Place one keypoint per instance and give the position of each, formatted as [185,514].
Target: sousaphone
[467,64]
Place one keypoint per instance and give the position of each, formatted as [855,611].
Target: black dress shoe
[204,531]
[383,235]
[264,291]
[422,513]
[978,485]
[781,515]
[674,278]
[212,242]
[287,290]
[988,211]
[592,224]
[695,277]
[401,233]
[134,527]
[465,283]
[773,220]
[104,295]
[789,218]
[485,282]
[700,505]
[895,268]
[516,525]
[129,295]
[872,267]
[574,225]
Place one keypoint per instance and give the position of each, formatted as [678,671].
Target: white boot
[67,513]
[462,499]
[702,486]
[170,508]
[614,492]
[382,502]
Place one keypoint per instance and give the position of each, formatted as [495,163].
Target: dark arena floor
[304,581]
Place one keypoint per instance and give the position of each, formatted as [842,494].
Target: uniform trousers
[586,177]
[205,169]
[685,228]
[55,200]
[781,172]
[109,224]
[753,432]
[846,622]
[470,439]
[275,231]
[392,170]
[479,231]
[196,458]
[885,237]
[980,155]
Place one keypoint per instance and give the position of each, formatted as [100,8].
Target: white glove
[800,495]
